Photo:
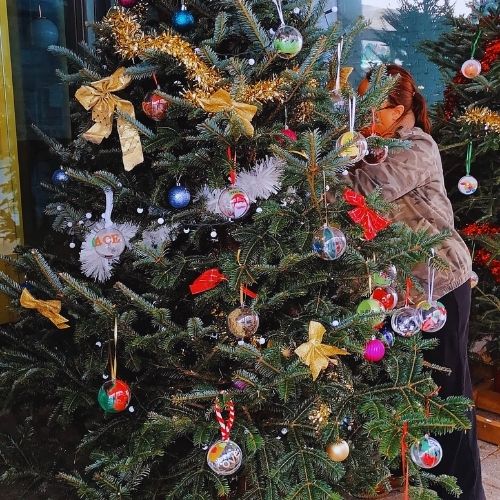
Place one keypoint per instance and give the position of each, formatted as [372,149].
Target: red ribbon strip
[404,461]
[207,280]
[407,293]
[367,218]
[210,279]
[225,425]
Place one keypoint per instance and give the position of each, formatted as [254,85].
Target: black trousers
[460,450]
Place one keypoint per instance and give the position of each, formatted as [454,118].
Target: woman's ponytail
[419,108]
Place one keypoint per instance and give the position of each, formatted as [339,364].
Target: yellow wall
[10,192]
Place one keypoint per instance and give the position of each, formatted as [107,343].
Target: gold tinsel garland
[130,42]
[482,116]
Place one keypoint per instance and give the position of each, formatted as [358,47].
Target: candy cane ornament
[225,457]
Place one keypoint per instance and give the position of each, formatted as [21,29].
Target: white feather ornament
[92,264]
[155,237]
[263,180]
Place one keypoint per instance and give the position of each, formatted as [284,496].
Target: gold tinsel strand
[130,42]
[482,116]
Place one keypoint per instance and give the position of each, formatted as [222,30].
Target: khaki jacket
[413,180]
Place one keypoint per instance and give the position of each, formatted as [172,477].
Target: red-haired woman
[413,180]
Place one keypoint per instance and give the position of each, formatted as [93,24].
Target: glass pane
[397,28]
[40,98]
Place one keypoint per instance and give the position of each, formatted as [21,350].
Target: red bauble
[155,106]
[127,3]
[374,350]
[288,133]
[386,295]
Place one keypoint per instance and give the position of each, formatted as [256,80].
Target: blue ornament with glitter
[183,20]
[179,196]
[59,177]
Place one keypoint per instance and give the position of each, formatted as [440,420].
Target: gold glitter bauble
[243,322]
[338,451]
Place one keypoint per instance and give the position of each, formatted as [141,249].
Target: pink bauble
[374,350]
[127,3]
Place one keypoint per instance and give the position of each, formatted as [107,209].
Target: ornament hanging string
[431,275]
[404,461]
[243,289]
[474,44]
[156,80]
[279,9]
[468,158]
[352,112]
[108,193]
[324,197]
[340,46]
[428,397]
[225,424]
[373,122]
[112,356]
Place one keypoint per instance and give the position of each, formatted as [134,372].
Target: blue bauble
[44,33]
[183,20]
[178,197]
[387,336]
[59,177]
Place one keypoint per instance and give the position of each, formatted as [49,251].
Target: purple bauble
[241,385]
[127,3]
[374,350]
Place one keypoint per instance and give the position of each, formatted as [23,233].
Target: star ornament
[315,354]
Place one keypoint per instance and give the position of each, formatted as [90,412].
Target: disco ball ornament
[374,350]
[474,279]
[376,155]
[109,242]
[406,321]
[114,396]
[386,277]
[183,19]
[426,453]
[224,457]
[127,3]
[178,196]
[338,451]
[243,322]
[44,32]
[59,177]
[372,306]
[329,243]
[357,149]
[467,184]
[387,296]
[432,315]
[471,68]
[387,336]
[234,203]
[155,106]
[287,42]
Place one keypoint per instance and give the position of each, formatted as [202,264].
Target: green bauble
[287,42]
[372,306]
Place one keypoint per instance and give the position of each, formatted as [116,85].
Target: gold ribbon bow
[315,354]
[222,101]
[48,308]
[98,97]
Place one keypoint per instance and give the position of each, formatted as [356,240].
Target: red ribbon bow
[207,280]
[367,218]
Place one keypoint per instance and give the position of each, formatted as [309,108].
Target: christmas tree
[467,127]
[212,272]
